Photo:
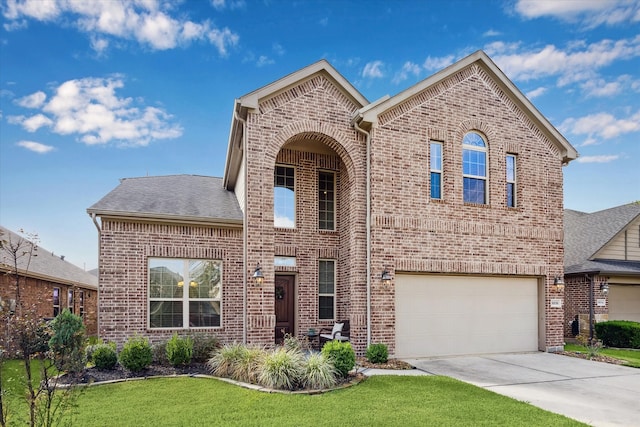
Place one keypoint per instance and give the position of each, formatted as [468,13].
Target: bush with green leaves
[319,372]
[68,341]
[136,354]
[342,356]
[105,356]
[179,350]
[377,353]
[619,333]
[203,346]
[282,369]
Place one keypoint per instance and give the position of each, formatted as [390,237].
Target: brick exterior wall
[38,294]
[125,248]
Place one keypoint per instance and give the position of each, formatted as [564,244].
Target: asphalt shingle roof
[45,263]
[586,233]
[183,196]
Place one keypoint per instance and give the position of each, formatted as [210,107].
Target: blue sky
[95,91]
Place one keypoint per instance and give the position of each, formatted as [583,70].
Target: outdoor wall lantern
[558,284]
[604,288]
[386,278]
[258,277]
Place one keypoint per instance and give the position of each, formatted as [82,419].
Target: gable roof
[252,100]
[45,265]
[567,151]
[586,233]
[191,198]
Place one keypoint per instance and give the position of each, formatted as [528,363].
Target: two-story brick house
[453,188]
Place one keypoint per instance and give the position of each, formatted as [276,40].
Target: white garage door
[624,302]
[455,315]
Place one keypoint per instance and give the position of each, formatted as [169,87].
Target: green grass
[632,357]
[378,401]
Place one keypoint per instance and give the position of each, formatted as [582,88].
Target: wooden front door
[285,306]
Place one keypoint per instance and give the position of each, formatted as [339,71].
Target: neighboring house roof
[370,115]
[587,233]
[173,197]
[251,101]
[45,265]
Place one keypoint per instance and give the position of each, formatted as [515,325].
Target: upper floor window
[184,293]
[474,168]
[326,201]
[326,289]
[511,180]
[284,197]
[435,167]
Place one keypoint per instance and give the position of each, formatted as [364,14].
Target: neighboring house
[452,189]
[48,283]
[602,266]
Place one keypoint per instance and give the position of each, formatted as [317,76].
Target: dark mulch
[91,375]
[391,364]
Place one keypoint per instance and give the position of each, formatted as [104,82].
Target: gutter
[245,237]
[368,225]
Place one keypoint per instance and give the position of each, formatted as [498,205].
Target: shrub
[179,350]
[203,346]
[136,354]
[377,353]
[342,356]
[67,342]
[619,333]
[282,369]
[105,356]
[319,372]
[160,353]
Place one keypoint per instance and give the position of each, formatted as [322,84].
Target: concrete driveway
[596,393]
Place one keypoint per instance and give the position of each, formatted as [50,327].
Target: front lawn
[379,400]
[632,357]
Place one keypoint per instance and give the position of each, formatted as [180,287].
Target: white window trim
[485,178]
[185,297]
[433,170]
[295,197]
[335,285]
[515,178]
[335,196]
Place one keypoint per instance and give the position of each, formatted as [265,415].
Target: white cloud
[278,49]
[373,69]
[536,92]
[601,126]
[491,33]
[36,147]
[407,69]
[598,159]
[264,60]
[35,100]
[578,62]
[91,109]
[438,63]
[148,22]
[223,4]
[589,13]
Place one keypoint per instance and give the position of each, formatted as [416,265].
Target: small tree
[68,342]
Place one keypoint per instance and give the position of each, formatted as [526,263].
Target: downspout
[95,222]
[368,225]
[245,238]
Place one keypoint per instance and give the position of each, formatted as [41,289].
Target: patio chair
[339,332]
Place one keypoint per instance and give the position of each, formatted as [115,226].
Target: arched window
[474,168]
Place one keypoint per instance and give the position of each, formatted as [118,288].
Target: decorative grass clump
[224,362]
[319,373]
[282,369]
